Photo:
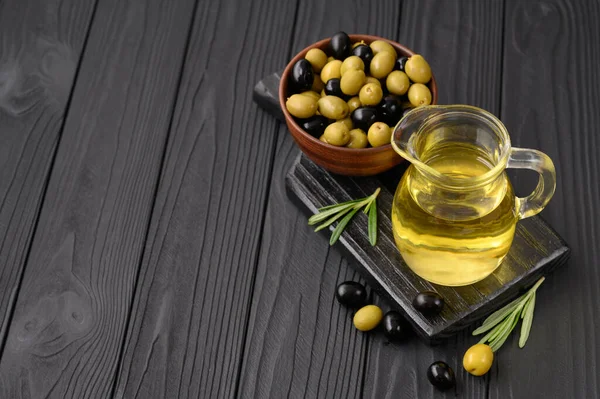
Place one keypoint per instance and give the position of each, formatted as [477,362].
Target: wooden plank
[191,309]
[550,102]
[463,42]
[71,312]
[40,48]
[301,343]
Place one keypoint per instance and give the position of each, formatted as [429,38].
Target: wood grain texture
[40,48]
[71,312]
[191,309]
[301,342]
[551,102]
[463,42]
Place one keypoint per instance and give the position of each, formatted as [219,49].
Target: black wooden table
[148,248]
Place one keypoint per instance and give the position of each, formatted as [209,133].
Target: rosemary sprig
[329,214]
[501,323]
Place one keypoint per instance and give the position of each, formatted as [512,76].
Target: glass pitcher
[455,212]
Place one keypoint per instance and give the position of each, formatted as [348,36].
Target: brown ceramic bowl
[342,160]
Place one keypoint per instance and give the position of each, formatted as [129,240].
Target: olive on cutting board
[428,303]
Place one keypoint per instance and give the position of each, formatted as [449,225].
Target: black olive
[365,53]
[302,75]
[315,125]
[364,117]
[352,294]
[340,45]
[428,302]
[390,110]
[395,326]
[333,88]
[441,376]
[400,63]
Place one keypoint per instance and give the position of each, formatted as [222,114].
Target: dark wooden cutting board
[536,250]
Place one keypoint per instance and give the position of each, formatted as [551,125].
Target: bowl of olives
[343,96]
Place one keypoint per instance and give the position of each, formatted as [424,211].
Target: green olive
[352,62]
[370,94]
[382,64]
[358,43]
[371,79]
[317,59]
[337,134]
[352,81]
[354,103]
[331,70]
[397,83]
[330,58]
[367,318]
[311,94]
[379,134]
[317,85]
[417,69]
[379,45]
[478,359]
[301,106]
[348,122]
[323,94]
[322,138]
[419,94]
[333,107]
[358,139]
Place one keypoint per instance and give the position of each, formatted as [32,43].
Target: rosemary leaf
[321,216]
[527,321]
[341,226]
[340,204]
[373,223]
[497,316]
[333,219]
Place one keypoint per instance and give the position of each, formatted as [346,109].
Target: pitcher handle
[524,158]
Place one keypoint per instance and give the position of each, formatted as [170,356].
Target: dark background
[148,248]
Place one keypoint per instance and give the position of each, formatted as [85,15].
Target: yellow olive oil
[436,244]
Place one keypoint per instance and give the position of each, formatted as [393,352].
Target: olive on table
[352,81]
[340,45]
[315,125]
[351,294]
[419,94]
[331,70]
[352,62]
[354,103]
[302,75]
[311,94]
[370,94]
[332,107]
[379,134]
[397,83]
[364,117]
[333,88]
[301,106]
[390,110]
[382,64]
[395,327]
[417,69]
[367,317]
[441,376]
[358,139]
[317,59]
[428,302]
[318,84]
[365,53]
[379,46]
[337,134]
[478,359]
[400,63]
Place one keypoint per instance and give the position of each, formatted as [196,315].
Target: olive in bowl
[307,130]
